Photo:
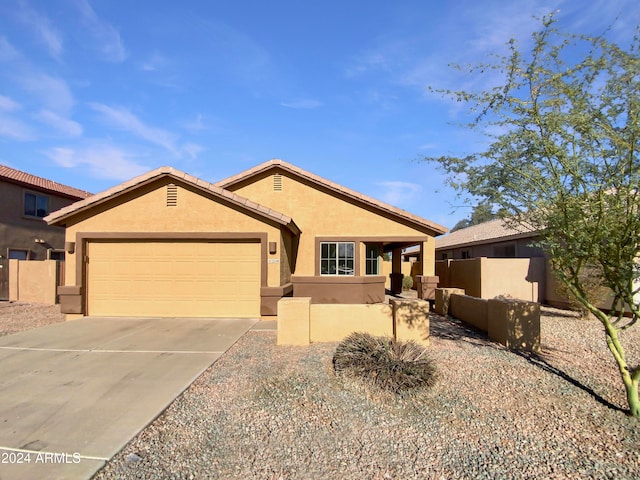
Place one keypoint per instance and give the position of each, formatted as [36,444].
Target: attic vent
[277,182]
[172,195]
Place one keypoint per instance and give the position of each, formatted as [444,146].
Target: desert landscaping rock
[18,316]
[269,412]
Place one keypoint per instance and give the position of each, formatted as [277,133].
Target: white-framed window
[36,205]
[337,258]
[372,259]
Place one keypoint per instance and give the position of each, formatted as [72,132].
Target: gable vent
[172,195]
[277,182]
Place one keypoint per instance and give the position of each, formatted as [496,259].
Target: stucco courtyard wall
[521,278]
[301,322]
[33,281]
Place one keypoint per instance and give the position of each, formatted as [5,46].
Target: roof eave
[517,236]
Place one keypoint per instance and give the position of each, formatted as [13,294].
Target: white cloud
[53,92]
[398,193]
[41,26]
[192,149]
[123,119]
[9,105]
[197,125]
[7,51]
[154,63]
[101,160]
[304,103]
[15,129]
[61,124]
[107,36]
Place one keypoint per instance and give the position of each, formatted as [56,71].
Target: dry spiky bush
[384,362]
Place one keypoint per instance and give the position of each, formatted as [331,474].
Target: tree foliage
[482,212]
[565,162]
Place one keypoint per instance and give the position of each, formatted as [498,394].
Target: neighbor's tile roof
[486,232]
[66,212]
[26,179]
[277,163]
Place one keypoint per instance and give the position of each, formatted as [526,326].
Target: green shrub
[407,282]
[384,362]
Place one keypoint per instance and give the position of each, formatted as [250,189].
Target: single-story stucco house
[169,244]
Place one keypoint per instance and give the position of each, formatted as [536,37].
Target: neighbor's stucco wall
[145,210]
[320,213]
[18,231]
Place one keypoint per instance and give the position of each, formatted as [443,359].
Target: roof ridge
[180,175]
[496,228]
[331,185]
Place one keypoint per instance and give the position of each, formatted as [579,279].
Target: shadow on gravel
[448,328]
[537,361]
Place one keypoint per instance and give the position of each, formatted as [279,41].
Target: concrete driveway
[73,394]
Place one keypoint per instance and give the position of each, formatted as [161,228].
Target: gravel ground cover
[269,412]
[18,316]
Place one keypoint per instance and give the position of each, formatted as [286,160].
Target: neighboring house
[25,199]
[491,259]
[492,239]
[169,244]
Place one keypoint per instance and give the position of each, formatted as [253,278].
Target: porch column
[428,257]
[426,279]
[396,270]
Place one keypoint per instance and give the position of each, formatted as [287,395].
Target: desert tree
[562,159]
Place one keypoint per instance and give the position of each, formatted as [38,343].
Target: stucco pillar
[428,257]
[396,270]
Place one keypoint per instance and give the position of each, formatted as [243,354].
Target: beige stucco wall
[18,231]
[513,323]
[329,323]
[522,278]
[145,210]
[33,281]
[300,322]
[319,213]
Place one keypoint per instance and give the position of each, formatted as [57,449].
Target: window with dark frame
[372,259]
[337,258]
[36,205]
[17,254]
[505,251]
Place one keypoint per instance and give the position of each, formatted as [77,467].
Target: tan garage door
[173,279]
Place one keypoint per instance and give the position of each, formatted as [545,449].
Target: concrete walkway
[73,394]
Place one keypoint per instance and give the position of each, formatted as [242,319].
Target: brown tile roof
[16,176]
[364,199]
[59,216]
[486,232]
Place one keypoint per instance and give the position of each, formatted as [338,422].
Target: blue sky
[94,92]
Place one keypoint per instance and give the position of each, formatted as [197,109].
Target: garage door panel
[174,279]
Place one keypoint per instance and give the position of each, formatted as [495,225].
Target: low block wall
[470,309]
[301,322]
[329,323]
[512,323]
[33,281]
